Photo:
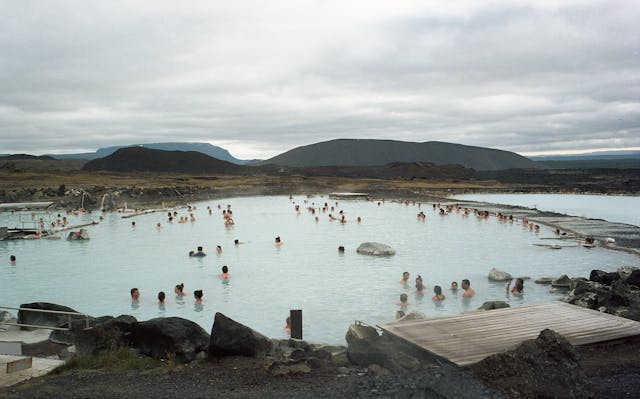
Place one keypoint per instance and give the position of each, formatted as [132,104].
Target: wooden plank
[470,337]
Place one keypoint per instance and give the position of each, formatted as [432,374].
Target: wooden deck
[470,337]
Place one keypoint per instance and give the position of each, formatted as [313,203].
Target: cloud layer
[262,77]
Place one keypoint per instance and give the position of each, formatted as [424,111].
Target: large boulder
[375,249]
[107,336]
[499,275]
[634,278]
[45,319]
[228,338]
[602,277]
[547,367]
[384,351]
[67,337]
[164,337]
[360,331]
[562,282]
[79,235]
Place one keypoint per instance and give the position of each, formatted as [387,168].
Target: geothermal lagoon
[306,272]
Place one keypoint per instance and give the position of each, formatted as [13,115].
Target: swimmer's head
[200,249]
[399,314]
[466,284]
[197,294]
[437,290]
[12,258]
[341,249]
[405,275]
[454,285]
[278,239]
[225,269]
[161,296]
[135,294]
[236,241]
[403,298]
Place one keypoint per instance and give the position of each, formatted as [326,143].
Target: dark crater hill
[356,152]
[141,159]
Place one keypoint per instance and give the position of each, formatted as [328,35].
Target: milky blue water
[306,272]
[614,208]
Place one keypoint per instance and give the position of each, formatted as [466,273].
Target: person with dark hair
[199,253]
[12,259]
[468,291]
[179,290]
[287,327]
[454,286]
[135,295]
[161,297]
[341,249]
[400,314]
[225,273]
[518,287]
[439,296]
[197,294]
[278,241]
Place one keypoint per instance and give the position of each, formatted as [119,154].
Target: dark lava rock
[45,319]
[69,337]
[602,277]
[164,337]
[490,305]
[563,282]
[228,338]
[634,278]
[547,367]
[104,337]
[360,331]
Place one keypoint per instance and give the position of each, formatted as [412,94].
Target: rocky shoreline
[371,365]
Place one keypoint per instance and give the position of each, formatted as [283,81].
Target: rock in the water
[413,315]
[375,249]
[360,331]
[546,367]
[499,275]
[45,319]
[163,337]
[602,277]
[82,234]
[490,305]
[562,282]
[228,338]
[105,337]
[544,280]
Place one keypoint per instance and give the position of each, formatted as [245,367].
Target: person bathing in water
[179,290]
[405,279]
[468,291]
[518,287]
[439,296]
[225,273]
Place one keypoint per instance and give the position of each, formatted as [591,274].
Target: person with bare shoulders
[439,296]
[518,287]
[135,295]
[404,301]
[225,273]
[287,328]
[179,290]
[468,291]
[278,242]
[405,279]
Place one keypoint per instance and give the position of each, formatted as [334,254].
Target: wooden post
[296,323]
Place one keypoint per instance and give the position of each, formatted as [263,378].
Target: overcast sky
[262,77]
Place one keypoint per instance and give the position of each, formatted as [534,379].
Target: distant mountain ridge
[205,148]
[367,152]
[143,159]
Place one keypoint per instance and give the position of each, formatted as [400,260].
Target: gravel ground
[612,371]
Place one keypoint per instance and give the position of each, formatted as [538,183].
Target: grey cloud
[522,78]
